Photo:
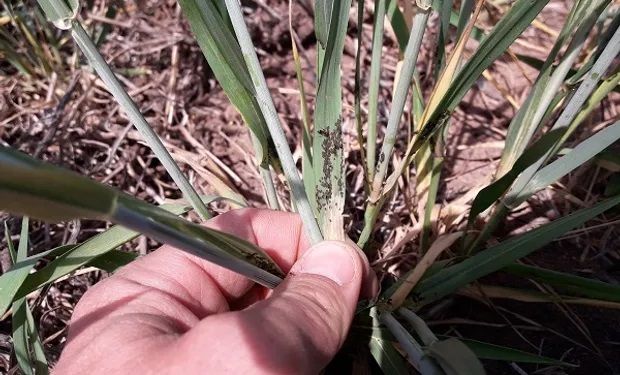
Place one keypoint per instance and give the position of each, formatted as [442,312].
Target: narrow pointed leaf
[377,193]
[577,285]
[583,152]
[80,255]
[26,343]
[493,259]
[518,193]
[512,24]
[579,22]
[400,97]
[357,91]
[523,183]
[306,137]
[444,83]
[9,244]
[11,281]
[399,25]
[485,350]
[373,89]
[21,191]
[88,48]
[267,107]
[322,19]
[490,194]
[465,12]
[602,41]
[608,85]
[211,27]
[482,291]
[211,24]
[22,248]
[112,260]
[445,13]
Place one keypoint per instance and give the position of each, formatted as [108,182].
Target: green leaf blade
[26,342]
[489,351]
[327,140]
[221,49]
[513,23]
[583,152]
[493,259]
[563,281]
[223,249]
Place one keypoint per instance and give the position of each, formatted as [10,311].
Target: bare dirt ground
[69,119]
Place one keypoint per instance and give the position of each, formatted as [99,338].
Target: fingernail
[331,259]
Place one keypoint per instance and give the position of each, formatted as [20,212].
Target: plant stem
[402,88]
[307,170]
[414,351]
[497,217]
[400,97]
[129,106]
[273,121]
[358,94]
[426,335]
[271,195]
[373,89]
[370,218]
[270,189]
[407,342]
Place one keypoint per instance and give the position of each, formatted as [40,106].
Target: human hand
[170,312]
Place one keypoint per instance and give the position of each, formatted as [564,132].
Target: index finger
[179,289]
[280,234]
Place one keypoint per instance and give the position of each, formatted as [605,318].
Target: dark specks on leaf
[331,148]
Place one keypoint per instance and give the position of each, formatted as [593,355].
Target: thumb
[315,305]
[316,302]
[298,329]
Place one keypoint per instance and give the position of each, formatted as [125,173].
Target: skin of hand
[173,313]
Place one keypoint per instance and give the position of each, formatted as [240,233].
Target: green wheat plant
[570,85]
